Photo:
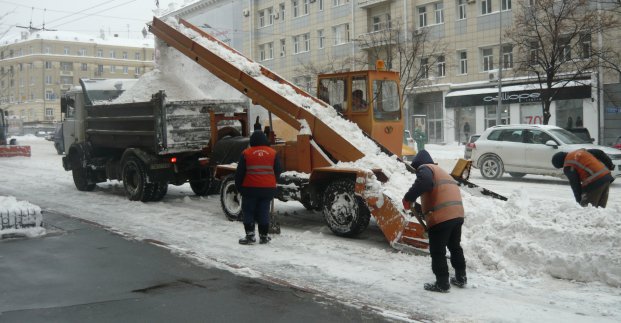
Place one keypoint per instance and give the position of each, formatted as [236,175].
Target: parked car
[528,149]
[40,133]
[470,145]
[59,143]
[618,143]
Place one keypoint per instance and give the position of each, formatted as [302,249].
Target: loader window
[359,95]
[334,93]
[386,104]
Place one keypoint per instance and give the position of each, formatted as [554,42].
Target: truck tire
[230,199]
[137,187]
[344,212]
[201,185]
[80,173]
[159,191]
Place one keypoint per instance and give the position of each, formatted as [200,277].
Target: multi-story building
[37,67]
[456,92]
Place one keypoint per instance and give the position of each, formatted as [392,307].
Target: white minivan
[528,149]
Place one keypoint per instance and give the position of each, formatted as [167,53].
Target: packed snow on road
[537,257]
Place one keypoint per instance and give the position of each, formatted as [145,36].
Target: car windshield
[567,137]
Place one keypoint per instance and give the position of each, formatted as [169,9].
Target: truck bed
[159,126]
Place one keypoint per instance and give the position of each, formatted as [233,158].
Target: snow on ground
[537,257]
[20,218]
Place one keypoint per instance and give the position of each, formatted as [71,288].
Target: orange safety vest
[588,167]
[443,202]
[259,167]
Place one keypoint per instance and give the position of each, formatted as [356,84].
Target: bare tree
[554,42]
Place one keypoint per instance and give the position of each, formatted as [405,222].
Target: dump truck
[9,146]
[347,195]
[146,145]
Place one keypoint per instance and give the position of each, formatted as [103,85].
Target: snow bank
[20,218]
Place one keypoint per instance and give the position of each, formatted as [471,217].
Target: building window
[262,18]
[296,44]
[32,80]
[100,53]
[82,52]
[137,56]
[112,68]
[100,69]
[66,66]
[270,50]
[282,11]
[137,70]
[422,16]
[322,38]
[303,82]
[261,52]
[305,7]
[507,56]
[84,67]
[125,69]
[47,50]
[441,64]
[486,7]
[124,55]
[112,54]
[585,46]
[66,50]
[377,23]
[533,55]
[66,80]
[307,42]
[283,47]
[439,10]
[506,5]
[565,50]
[270,16]
[49,95]
[295,4]
[461,9]
[463,62]
[320,5]
[336,3]
[49,112]
[48,65]
[424,68]
[488,59]
[341,34]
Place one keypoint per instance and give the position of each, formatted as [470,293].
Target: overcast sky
[88,17]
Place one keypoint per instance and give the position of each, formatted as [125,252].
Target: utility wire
[81,11]
[69,12]
[89,15]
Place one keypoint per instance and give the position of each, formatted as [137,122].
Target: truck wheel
[230,199]
[135,180]
[80,173]
[159,191]
[201,186]
[344,212]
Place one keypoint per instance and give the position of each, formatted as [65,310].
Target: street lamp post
[499,107]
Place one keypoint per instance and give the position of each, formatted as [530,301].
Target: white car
[528,149]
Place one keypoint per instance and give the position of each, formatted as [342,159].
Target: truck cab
[369,98]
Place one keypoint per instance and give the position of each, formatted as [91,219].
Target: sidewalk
[79,272]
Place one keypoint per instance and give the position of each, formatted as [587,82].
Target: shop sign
[613,110]
[508,97]
[523,96]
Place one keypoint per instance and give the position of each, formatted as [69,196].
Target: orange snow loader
[345,195]
[9,147]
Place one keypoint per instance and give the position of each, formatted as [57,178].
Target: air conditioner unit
[311,1]
[493,77]
[472,1]
[282,54]
[276,15]
[246,12]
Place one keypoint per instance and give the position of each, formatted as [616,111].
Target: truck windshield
[386,105]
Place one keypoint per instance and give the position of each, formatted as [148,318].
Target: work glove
[418,208]
[406,204]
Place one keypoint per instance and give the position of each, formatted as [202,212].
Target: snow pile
[20,218]
[530,238]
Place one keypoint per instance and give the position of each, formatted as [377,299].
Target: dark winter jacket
[424,176]
[574,178]
[257,138]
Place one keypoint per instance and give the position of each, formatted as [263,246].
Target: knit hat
[558,160]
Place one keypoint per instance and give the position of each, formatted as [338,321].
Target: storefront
[476,109]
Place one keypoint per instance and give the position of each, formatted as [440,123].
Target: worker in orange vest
[588,171]
[442,207]
[257,172]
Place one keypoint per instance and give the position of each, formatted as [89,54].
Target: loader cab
[369,98]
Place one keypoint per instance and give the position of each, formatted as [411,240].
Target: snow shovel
[274,225]
[419,216]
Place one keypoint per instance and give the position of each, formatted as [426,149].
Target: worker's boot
[435,287]
[248,239]
[460,280]
[264,238]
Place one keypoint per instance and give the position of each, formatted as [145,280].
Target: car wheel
[491,167]
[517,175]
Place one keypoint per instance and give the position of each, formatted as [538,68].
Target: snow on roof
[74,37]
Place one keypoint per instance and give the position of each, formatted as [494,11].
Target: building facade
[456,94]
[38,67]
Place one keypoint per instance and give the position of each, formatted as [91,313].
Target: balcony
[366,4]
[66,73]
[376,39]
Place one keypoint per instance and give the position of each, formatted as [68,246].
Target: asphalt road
[80,272]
